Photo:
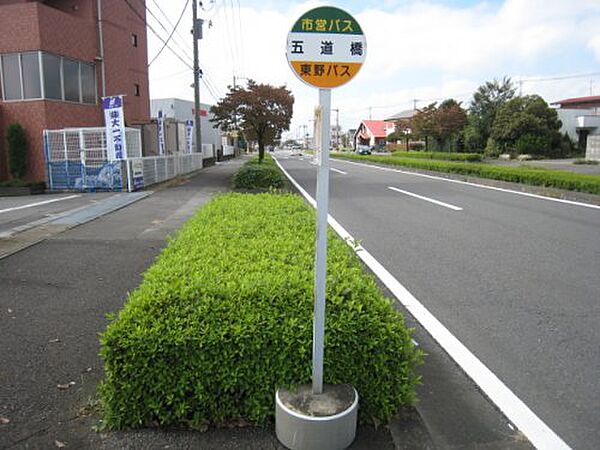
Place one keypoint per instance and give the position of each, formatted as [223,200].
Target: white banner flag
[161,132]
[189,133]
[115,127]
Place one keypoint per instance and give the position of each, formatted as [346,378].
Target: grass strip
[526,175]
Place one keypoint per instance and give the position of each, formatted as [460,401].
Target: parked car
[363,149]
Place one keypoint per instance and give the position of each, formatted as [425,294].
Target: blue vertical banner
[161,132]
[189,133]
[115,127]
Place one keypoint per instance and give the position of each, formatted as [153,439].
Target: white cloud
[594,45]
[419,49]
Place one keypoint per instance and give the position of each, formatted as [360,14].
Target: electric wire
[160,22]
[156,34]
[184,40]
[172,32]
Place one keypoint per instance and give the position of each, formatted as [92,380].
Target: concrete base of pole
[324,421]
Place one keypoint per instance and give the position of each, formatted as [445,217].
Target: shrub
[17,150]
[532,144]
[258,175]
[528,175]
[224,318]
[416,146]
[471,157]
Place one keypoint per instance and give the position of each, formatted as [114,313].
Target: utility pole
[197,32]
[415,100]
[520,88]
[370,108]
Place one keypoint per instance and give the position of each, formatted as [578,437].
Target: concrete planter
[326,421]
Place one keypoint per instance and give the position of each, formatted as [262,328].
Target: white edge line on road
[538,433]
[45,202]
[427,199]
[338,171]
[468,183]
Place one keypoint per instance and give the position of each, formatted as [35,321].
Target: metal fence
[156,169]
[77,160]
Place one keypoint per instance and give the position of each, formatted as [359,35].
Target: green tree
[17,150]
[527,125]
[262,112]
[487,99]
[423,123]
[444,123]
[449,121]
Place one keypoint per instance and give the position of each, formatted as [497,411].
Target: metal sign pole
[321,242]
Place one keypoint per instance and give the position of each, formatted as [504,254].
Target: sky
[418,52]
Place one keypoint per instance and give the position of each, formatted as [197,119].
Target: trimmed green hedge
[255,175]
[527,175]
[224,317]
[445,156]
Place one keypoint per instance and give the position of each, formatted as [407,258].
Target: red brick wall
[37,116]
[126,64]
[69,28]
[19,25]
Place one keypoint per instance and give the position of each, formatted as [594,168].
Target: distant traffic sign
[326,47]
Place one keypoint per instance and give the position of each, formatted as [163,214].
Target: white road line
[467,183]
[31,205]
[338,171]
[427,199]
[538,433]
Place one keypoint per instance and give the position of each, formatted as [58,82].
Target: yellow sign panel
[325,75]
[326,47]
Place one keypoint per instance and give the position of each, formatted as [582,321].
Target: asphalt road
[514,278]
[18,213]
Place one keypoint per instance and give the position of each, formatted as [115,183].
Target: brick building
[58,58]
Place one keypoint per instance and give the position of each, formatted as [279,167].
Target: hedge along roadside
[224,317]
[254,175]
[533,176]
[444,156]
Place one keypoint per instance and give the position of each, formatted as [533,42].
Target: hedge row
[254,175]
[527,175]
[444,156]
[224,317]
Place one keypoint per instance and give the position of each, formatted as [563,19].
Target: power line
[228,36]
[241,35]
[557,78]
[186,44]
[160,22]
[172,32]
[156,34]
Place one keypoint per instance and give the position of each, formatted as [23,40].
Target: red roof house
[373,133]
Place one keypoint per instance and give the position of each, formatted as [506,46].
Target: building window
[136,90]
[30,63]
[52,76]
[11,77]
[71,80]
[88,83]
[58,78]
[134,39]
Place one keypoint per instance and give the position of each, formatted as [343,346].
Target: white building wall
[568,117]
[182,110]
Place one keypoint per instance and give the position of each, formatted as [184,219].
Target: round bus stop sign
[326,47]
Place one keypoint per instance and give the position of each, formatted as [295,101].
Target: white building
[182,110]
[580,119]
